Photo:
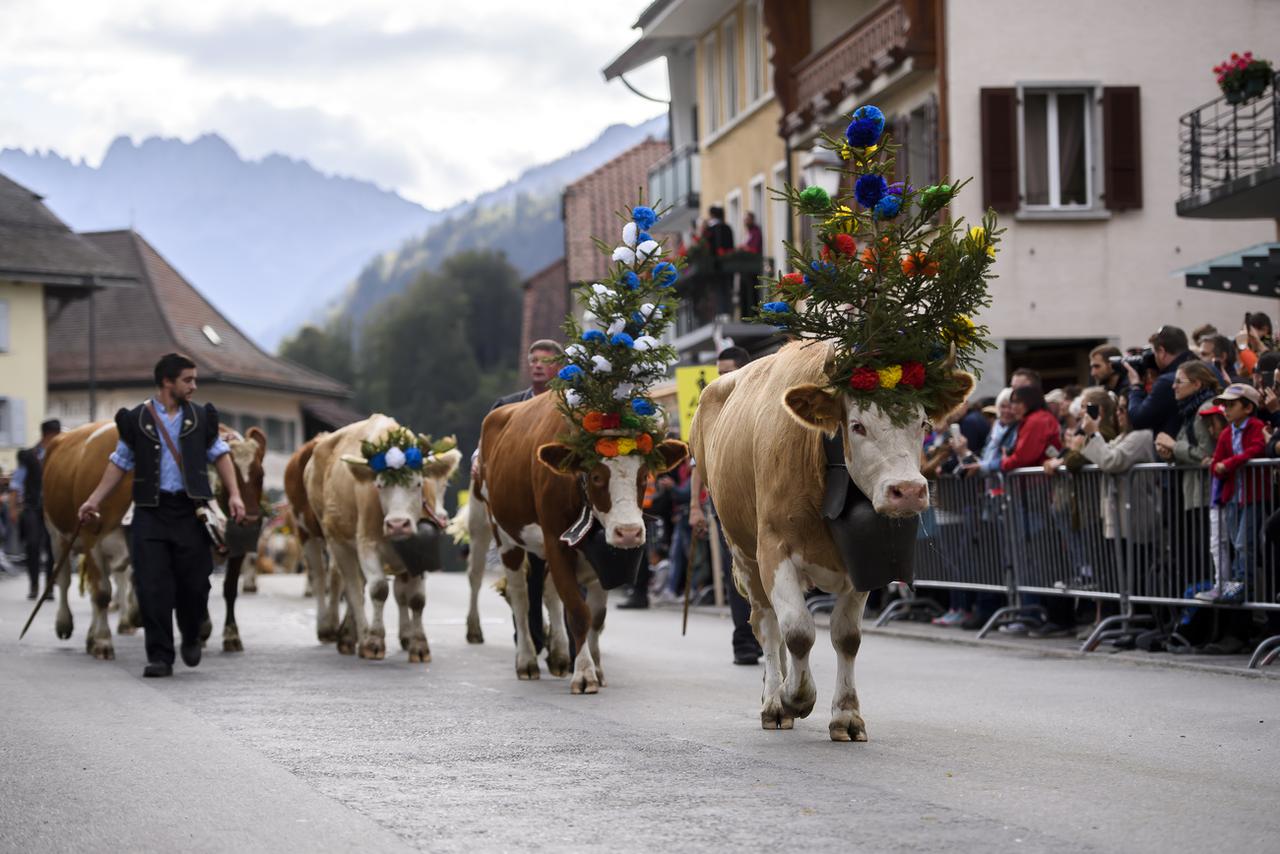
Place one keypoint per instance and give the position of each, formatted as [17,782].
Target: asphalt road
[289,746]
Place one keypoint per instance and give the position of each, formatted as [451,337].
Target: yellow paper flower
[890,376]
[961,330]
[845,151]
[626,446]
[978,235]
[843,219]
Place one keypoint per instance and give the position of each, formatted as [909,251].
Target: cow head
[436,472]
[410,485]
[614,486]
[247,454]
[883,459]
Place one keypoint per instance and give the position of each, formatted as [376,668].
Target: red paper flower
[864,379]
[912,374]
[792,280]
[610,421]
[644,443]
[845,244]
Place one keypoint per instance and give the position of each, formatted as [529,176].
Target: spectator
[1102,372]
[1026,376]
[1202,333]
[1194,385]
[974,426]
[1220,353]
[1264,380]
[1038,430]
[26,506]
[999,441]
[716,233]
[1253,339]
[755,239]
[1235,489]
[1158,410]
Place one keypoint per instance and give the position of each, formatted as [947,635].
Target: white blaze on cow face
[401,506]
[884,460]
[623,522]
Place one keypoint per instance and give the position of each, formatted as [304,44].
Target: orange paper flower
[919,264]
[607,447]
[593,422]
[644,443]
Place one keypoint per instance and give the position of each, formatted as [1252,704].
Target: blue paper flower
[866,127]
[888,207]
[593,335]
[777,308]
[569,372]
[642,406]
[413,458]
[898,188]
[630,279]
[378,462]
[665,274]
[638,319]
[869,189]
[643,236]
[622,339]
[822,267]
[644,217]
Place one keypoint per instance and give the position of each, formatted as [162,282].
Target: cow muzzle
[397,527]
[626,536]
[904,498]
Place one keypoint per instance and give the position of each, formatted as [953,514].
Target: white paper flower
[601,365]
[615,327]
[602,290]
[646,342]
[646,250]
[639,369]
[574,350]
[651,311]
[395,457]
[623,391]
[629,234]
[626,255]
[572,398]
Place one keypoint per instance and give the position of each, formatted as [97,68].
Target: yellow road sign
[689,385]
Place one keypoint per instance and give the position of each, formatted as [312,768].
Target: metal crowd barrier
[1141,537]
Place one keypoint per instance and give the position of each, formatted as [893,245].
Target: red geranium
[913,374]
[864,379]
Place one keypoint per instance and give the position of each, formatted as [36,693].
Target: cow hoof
[326,633]
[206,629]
[583,684]
[123,628]
[102,650]
[848,726]
[419,652]
[232,645]
[773,715]
[63,628]
[528,670]
[404,641]
[558,664]
[474,635]
[251,588]
[346,646]
[800,704]
[373,648]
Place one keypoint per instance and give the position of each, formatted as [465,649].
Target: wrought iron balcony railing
[1230,157]
[674,180]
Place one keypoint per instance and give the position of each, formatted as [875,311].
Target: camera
[1093,411]
[1144,361]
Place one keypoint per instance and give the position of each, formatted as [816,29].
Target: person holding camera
[1157,410]
[1106,369]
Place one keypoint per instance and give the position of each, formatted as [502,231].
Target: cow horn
[353,460]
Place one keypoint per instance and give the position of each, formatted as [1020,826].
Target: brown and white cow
[326,588]
[73,466]
[247,453]
[758,436]
[359,515]
[533,489]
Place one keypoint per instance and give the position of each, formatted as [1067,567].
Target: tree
[327,350]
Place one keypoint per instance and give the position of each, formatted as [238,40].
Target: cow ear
[359,468]
[953,393]
[673,454]
[442,465]
[558,457]
[814,407]
[255,434]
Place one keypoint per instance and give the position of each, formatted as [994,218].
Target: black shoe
[190,653]
[157,669]
[1050,630]
[746,658]
[975,622]
[31,594]
[638,603]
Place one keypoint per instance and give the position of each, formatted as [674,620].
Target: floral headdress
[399,453]
[893,285]
[617,354]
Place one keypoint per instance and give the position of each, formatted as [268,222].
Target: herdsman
[168,442]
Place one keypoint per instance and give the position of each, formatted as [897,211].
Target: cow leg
[558,661]
[230,587]
[343,560]
[481,537]
[63,625]
[318,581]
[373,644]
[98,642]
[345,629]
[411,596]
[112,553]
[598,602]
[846,636]
[249,572]
[517,591]
[796,624]
[562,564]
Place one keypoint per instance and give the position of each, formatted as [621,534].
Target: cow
[327,591]
[73,465]
[360,517]
[247,453]
[757,435]
[534,488]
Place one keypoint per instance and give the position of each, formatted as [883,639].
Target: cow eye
[856,427]
[926,426]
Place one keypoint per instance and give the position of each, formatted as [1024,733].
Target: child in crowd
[1235,492]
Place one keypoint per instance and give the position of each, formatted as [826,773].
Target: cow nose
[397,526]
[908,497]
[628,536]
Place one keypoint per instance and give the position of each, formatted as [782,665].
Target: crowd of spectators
[1196,532]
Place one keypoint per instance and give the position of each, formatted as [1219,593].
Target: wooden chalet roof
[164,313]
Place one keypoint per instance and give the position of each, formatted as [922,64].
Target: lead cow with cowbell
[812,454]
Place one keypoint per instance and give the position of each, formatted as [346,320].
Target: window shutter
[1000,149]
[4,326]
[1122,147]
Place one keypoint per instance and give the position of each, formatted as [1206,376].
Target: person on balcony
[717,235]
[755,238]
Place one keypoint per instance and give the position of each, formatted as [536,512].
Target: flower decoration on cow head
[617,353]
[891,281]
[398,455]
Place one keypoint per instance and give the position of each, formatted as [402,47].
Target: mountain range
[274,242]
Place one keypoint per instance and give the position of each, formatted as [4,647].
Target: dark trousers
[744,640]
[35,539]
[172,562]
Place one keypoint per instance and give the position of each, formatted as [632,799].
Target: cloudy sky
[439,100]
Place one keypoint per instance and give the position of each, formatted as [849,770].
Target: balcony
[674,180]
[716,292]
[879,43]
[1230,158]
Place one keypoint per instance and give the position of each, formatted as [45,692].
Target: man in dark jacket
[172,556]
[1157,410]
[27,493]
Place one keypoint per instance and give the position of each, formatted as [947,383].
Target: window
[778,221]
[730,73]
[291,436]
[13,422]
[4,326]
[1057,148]
[228,418]
[711,83]
[752,51]
[275,435]
[733,215]
[247,421]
